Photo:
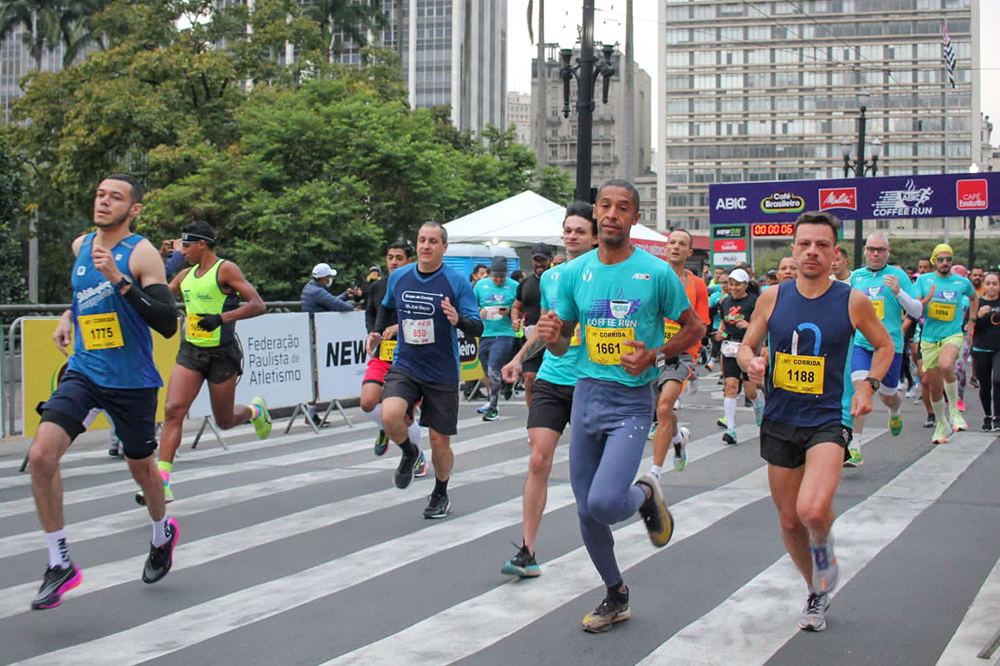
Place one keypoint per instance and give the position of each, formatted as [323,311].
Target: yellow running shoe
[896,424]
[262,422]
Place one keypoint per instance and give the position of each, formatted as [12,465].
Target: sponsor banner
[42,364]
[277,362]
[655,248]
[885,197]
[726,259]
[341,358]
[727,245]
[734,231]
[470,368]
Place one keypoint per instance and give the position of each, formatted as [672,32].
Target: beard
[112,224]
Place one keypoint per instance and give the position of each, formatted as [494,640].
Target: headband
[188,237]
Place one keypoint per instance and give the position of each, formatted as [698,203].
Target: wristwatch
[124,282]
[874,383]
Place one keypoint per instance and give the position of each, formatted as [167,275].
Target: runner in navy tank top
[809,325]
[119,293]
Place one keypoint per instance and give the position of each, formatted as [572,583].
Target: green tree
[12,264]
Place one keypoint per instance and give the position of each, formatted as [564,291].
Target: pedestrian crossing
[297,549]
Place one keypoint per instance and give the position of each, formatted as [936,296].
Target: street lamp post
[860,166]
[586,74]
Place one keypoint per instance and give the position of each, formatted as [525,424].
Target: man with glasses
[891,293]
[941,293]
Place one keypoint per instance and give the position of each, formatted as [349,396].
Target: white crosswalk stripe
[758,618]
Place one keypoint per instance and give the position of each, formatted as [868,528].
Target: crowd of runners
[605,342]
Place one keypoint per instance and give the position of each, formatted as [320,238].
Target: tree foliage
[12,265]
[292,164]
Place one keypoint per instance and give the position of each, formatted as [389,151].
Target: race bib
[575,340]
[387,348]
[605,344]
[418,331]
[670,329]
[494,312]
[879,308]
[192,330]
[799,374]
[729,348]
[941,311]
[101,331]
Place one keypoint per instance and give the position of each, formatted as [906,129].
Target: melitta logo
[972,194]
[782,202]
[838,197]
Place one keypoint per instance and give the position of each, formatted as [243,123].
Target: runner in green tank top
[212,289]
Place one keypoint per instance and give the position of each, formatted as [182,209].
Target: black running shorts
[551,405]
[438,402]
[785,445]
[216,364]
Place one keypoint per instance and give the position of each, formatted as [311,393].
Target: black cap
[499,266]
[541,250]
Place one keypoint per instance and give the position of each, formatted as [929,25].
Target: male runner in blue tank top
[809,324]
[119,292]
[620,295]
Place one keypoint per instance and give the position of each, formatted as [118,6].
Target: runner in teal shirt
[613,303]
[942,292]
[891,292]
[496,295]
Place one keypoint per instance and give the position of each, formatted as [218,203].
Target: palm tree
[40,21]
[76,28]
[353,18]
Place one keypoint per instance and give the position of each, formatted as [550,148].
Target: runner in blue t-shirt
[496,296]
[892,294]
[620,296]
[941,292]
[431,301]
[809,324]
[119,292]
[552,401]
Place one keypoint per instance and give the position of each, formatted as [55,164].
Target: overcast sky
[563,16]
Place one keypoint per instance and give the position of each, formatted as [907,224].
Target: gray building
[16,62]
[519,115]
[459,56]
[608,150]
[756,91]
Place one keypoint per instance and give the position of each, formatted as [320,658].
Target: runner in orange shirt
[675,371]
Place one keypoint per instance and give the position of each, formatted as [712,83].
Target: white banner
[277,362]
[341,359]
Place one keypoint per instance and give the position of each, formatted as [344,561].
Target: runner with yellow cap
[941,293]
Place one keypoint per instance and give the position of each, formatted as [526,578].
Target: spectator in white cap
[315,295]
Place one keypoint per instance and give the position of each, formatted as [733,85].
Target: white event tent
[528,218]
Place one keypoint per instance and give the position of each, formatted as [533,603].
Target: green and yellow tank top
[202,296]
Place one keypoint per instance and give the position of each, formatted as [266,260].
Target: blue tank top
[112,344]
[808,341]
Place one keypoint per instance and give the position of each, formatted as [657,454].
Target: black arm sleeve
[472,328]
[155,304]
[386,317]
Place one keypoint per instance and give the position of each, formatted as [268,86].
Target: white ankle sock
[58,550]
[160,531]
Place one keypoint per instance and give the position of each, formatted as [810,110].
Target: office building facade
[754,91]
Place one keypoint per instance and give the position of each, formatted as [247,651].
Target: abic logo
[838,197]
[972,194]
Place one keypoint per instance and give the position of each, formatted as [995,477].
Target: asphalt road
[299,550]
